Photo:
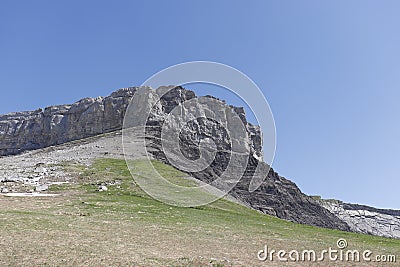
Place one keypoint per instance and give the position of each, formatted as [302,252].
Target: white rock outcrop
[364,219]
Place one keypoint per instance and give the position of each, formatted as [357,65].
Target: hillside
[238,144]
[123,226]
[100,217]
[215,140]
[63,187]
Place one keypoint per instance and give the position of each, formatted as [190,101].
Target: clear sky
[329,69]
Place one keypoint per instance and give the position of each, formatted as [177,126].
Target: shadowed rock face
[276,196]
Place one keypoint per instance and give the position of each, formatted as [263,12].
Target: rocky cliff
[54,125]
[364,219]
[210,118]
[276,196]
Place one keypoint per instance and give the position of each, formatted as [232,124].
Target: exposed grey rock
[3,189]
[21,131]
[364,219]
[41,188]
[92,116]
[202,119]
[102,188]
[54,125]
[11,180]
[88,117]
[22,173]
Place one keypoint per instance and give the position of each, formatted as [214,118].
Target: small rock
[12,180]
[102,188]
[41,188]
[4,189]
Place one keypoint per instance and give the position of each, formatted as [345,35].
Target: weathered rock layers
[54,125]
[92,116]
[276,196]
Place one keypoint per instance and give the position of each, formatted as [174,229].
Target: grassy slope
[124,226]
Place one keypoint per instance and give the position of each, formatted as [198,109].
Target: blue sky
[329,69]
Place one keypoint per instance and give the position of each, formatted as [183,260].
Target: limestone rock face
[54,125]
[364,219]
[193,121]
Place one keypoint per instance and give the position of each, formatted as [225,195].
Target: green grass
[130,199]
[128,226]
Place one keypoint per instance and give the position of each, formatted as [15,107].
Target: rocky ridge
[88,117]
[21,131]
